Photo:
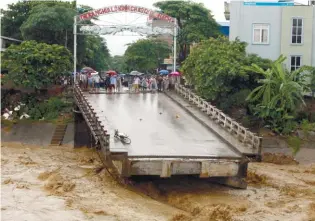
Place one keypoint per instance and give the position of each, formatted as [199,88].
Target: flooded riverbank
[38,183]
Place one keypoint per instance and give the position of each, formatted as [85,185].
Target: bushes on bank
[222,73]
[49,109]
[37,107]
[216,67]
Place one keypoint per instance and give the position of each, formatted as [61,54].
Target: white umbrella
[94,73]
[136,73]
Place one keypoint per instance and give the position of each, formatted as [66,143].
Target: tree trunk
[66,41]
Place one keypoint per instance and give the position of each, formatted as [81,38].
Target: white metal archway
[113,29]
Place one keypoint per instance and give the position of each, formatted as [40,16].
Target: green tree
[36,65]
[216,68]
[213,65]
[196,23]
[50,24]
[279,95]
[146,54]
[118,63]
[17,13]
[96,53]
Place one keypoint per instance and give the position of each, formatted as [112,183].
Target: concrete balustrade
[236,129]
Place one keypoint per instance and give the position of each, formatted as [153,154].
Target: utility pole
[175,44]
[75,48]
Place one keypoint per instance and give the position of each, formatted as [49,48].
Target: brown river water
[62,183]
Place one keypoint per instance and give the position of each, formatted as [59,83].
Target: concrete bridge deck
[167,138]
[158,127]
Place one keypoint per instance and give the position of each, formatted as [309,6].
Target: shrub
[49,110]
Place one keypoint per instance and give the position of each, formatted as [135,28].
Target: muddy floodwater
[62,183]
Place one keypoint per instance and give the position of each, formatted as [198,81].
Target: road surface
[157,127]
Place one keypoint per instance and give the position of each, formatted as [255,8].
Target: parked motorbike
[122,137]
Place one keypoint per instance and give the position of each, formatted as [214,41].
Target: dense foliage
[118,63]
[223,73]
[51,22]
[196,23]
[36,65]
[37,107]
[17,13]
[96,53]
[49,109]
[145,55]
[279,95]
[216,68]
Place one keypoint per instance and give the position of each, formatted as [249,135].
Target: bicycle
[122,137]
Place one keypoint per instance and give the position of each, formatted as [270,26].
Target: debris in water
[278,158]
[255,179]
[57,185]
[8,181]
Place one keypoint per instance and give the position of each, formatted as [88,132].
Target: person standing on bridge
[166,82]
[113,82]
[144,84]
[119,84]
[153,84]
[136,83]
[159,83]
[107,83]
[96,83]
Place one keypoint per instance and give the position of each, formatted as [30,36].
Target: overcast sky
[117,44]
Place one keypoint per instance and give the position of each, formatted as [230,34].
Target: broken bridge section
[166,139]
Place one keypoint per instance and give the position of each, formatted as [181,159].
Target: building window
[297,30]
[296,62]
[261,34]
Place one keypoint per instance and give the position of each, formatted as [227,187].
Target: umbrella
[176,73]
[163,72]
[87,70]
[111,72]
[94,73]
[136,73]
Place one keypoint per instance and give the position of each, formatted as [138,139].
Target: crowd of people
[152,83]
[111,83]
[116,83]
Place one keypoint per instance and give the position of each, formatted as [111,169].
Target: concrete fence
[236,129]
[97,129]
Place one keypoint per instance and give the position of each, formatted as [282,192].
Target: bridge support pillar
[238,181]
[82,134]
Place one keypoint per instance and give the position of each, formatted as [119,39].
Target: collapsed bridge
[172,133]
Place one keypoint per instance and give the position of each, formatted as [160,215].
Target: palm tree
[281,91]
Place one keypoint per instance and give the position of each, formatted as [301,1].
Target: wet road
[157,126]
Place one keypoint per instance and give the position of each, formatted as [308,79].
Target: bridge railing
[236,129]
[97,129]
